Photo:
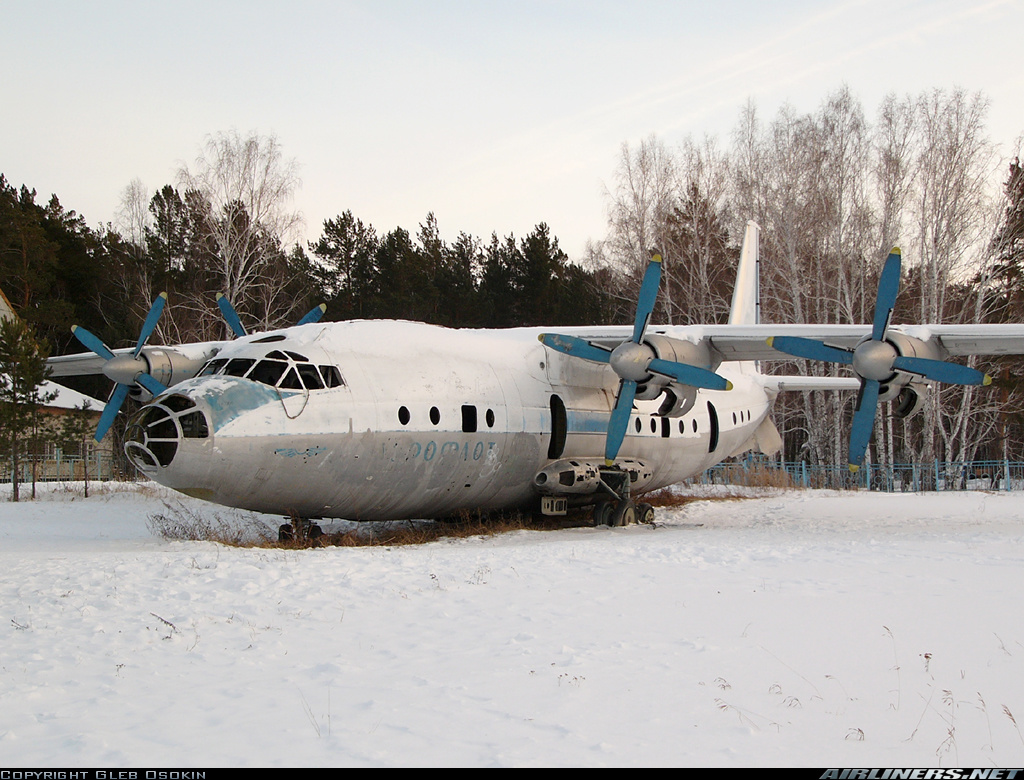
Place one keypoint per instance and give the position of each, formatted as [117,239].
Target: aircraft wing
[91,364]
[81,364]
[780,384]
[750,342]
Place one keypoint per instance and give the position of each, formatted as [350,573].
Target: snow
[66,398]
[797,628]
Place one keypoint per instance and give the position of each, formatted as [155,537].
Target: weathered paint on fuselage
[396,440]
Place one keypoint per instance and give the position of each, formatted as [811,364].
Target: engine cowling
[907,389]
[678,399]
[168,367]
[578,476]
[910,400]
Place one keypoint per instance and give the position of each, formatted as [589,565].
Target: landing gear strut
[619,509]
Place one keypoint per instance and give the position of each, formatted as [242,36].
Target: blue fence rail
[895,478]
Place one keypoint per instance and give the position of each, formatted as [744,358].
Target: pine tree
[22,373]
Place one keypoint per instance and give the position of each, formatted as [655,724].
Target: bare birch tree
[644,197]
[699,267]
[949,210]
[247,186]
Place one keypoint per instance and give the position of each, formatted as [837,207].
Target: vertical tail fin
[746,296]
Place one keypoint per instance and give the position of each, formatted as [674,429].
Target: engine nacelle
[911,400]
[167,367]
[892,389]
[575,476]
[679,399]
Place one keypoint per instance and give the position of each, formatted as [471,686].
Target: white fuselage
[425,422]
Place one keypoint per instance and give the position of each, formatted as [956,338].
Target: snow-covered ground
[798,628]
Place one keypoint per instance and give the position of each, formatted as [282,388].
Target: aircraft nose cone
[155,434]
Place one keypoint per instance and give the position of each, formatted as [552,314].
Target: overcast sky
[493,115]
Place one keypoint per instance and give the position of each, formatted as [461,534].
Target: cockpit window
[268,372]
[310,376]
[290,381]
[287,370]
[239,366]
[213,367]
[331,376]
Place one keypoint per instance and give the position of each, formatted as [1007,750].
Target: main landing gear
[299,528]
[619,509]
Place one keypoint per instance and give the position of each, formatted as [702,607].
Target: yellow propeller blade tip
[656,259]
[609,462]
[163,295]
[728,385]
[771,341]
[896,251]
[987,380]
[854,468]
[219,296]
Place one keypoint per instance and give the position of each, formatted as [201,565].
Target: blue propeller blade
[888,289]
[694,376]
[151,320]
[313,315]
[89,341]
[154,386]
[121,389]
[648,297]
[110,411]
[230,315]
[810,349]
[941,371]
[619,420]
[863,422]
[570,345]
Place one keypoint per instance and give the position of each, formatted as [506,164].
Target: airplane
[374,420]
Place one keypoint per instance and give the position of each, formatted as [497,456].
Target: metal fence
[750,471]
[60,468]
[894,478]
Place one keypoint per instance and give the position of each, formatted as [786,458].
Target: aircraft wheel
[285,533]
[645,514]
[314,531]
[624,514]
[603,513]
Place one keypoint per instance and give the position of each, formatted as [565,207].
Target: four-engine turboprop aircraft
[383,420]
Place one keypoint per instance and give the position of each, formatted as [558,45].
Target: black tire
[603,513]
[285,533]
[624,514]
[645,514]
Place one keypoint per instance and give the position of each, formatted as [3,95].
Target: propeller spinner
[126,370]
[634,361]
[875,360]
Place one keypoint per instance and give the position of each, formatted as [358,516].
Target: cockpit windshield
[287,370]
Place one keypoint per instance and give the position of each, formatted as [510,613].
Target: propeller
[231,316]
[126,370]
[634,361]
[876,360]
